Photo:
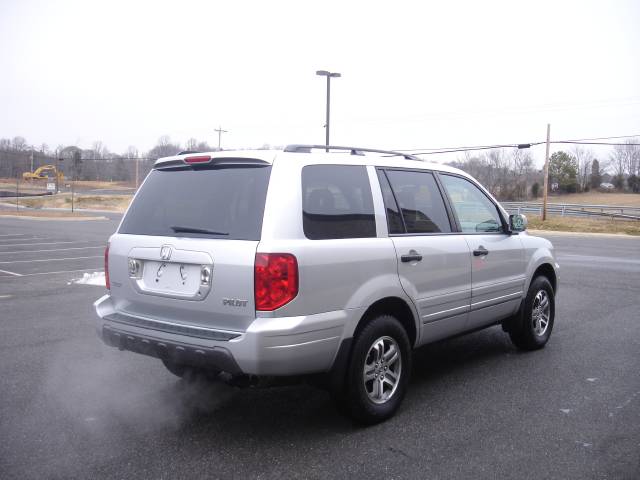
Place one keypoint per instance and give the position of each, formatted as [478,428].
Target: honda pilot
[333,261]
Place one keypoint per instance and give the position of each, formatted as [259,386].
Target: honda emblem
[165,252]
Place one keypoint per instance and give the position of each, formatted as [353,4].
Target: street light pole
[329,75]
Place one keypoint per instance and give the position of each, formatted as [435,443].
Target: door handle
[480,252]
[412,256]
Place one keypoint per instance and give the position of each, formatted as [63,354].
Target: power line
[586,141]
[595,143]
[602,138]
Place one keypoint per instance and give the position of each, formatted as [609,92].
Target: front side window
[337,202]
[420,201]
[476,213]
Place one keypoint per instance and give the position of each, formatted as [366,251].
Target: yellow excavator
[44,172]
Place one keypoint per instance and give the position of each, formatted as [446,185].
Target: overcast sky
[415,75]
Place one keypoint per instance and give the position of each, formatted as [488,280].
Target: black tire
[526,329]
[357,398]
[187,372]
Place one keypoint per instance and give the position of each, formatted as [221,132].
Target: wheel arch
[546,270]
[396,307]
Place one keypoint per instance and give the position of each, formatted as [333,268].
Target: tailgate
[185,250]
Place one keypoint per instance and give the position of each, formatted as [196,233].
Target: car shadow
[293,409]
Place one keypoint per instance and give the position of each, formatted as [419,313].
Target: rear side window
[420,201]
[206,203]
[337,202]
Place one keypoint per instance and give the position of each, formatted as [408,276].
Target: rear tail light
[198,159]
[106,267]
[275,280]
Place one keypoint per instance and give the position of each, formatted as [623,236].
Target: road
[71,407]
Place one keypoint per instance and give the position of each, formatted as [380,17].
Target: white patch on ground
[565,410]
[95,278]
[592,379]
[584,444]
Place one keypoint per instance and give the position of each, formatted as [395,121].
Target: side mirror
[517,223]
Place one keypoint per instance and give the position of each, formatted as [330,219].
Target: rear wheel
[378,371]
[531,328]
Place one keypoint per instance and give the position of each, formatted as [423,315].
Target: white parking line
[52,259]
[13,235]
[43,243]
[50,250]
[18,239]
[11,273]
[61,271]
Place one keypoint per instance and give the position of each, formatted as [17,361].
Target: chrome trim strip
[444,311]
[507,297]
[169,327]
[303,343]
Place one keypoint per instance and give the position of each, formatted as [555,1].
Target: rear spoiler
[207,161]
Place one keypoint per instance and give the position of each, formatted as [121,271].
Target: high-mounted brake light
[198,159]
[106,268]
[275,280]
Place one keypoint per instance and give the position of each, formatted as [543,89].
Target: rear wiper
[179,229]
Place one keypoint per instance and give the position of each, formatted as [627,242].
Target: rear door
[433,262]
[498,266]
[185,250]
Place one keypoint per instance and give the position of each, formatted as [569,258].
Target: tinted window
[420,201]
[394,221]
[476,213]
[337,202]
[225,200]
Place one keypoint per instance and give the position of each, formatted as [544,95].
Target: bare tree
[98,150]
[18,144]
[164,148]
[192,144]
[583,157]
[625,159]
[132,152]
[520,168]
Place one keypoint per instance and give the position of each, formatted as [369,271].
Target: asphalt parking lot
[71,407]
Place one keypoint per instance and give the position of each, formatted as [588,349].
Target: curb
[582,234]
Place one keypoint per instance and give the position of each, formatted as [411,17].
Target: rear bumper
[270,346]
[183,353]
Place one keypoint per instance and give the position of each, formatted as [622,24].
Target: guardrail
[575,210]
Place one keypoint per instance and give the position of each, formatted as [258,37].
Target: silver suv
[254,264]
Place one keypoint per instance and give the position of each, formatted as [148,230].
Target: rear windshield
[214,203]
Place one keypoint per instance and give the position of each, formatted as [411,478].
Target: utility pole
[137,171]
[546,175]
[73,182]
[58,175]
[220,132]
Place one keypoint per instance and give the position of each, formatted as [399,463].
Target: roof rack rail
[353,150]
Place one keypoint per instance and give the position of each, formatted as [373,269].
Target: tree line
[510,174]
[94,163]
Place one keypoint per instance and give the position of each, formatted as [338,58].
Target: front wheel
[378,371]
[532,327]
